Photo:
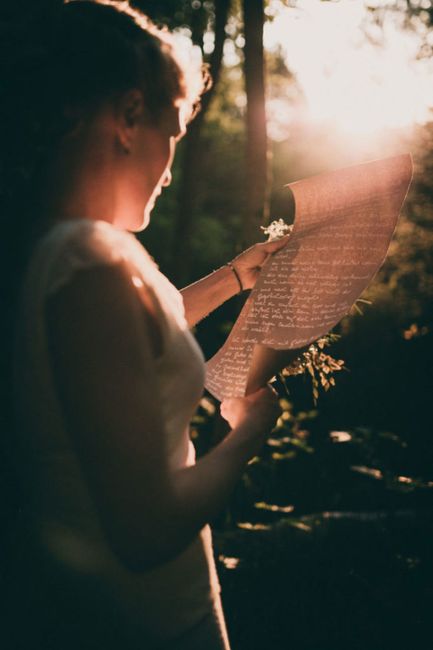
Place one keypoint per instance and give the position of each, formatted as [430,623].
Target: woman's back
[66,522]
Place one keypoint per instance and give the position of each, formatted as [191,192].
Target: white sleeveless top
[159,604]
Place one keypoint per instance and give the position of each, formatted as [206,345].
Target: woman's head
[64,67]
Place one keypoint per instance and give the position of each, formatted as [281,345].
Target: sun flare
[353,74]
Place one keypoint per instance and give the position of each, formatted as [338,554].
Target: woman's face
[150,164]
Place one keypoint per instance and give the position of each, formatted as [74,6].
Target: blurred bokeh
[327,540]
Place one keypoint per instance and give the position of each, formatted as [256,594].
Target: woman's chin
[146,217]
[141,222]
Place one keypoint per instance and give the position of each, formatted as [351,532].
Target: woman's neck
[80,181]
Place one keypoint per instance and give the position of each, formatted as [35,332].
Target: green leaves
[319,365]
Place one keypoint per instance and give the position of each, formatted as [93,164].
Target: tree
[192,151]
[256,150]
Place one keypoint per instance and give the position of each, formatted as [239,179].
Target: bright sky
[358,85]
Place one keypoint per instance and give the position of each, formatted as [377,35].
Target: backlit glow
[354,75]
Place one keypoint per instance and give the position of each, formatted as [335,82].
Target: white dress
[155,606]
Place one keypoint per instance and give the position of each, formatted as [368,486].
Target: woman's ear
[130,111]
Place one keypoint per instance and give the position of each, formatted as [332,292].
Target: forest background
[326,541]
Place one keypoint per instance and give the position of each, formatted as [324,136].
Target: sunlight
[358,85]
[340,436]
[229,562]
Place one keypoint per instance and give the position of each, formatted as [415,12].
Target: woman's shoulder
[93,239]
[72,245]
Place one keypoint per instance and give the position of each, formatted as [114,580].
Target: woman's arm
[205,295]
[102,343]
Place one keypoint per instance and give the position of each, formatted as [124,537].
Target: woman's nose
[167,179]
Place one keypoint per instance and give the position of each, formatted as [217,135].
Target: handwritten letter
[344,222]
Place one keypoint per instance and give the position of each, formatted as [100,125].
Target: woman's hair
[60,61]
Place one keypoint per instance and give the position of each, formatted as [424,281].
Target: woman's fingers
[229,404]
[274,246]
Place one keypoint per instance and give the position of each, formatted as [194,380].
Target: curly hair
[59,61]
[58,64]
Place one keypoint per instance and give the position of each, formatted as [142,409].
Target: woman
[106,373]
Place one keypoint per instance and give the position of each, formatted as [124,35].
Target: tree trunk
[256,152]
[181,254]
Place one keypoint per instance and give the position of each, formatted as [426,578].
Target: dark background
[351,564]
[326,542]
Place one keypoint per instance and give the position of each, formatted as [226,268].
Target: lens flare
[356,75]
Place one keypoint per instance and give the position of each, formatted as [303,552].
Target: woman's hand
[252,417]
[205,295]
[249,263]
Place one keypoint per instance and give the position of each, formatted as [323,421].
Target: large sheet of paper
[344,222]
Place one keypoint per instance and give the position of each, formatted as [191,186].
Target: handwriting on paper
[344,222]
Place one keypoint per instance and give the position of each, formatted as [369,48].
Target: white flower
[277,229]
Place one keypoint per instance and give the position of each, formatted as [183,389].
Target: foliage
[318,364]
[315,517]
[320,581]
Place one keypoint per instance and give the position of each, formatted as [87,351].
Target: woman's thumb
[274,246]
